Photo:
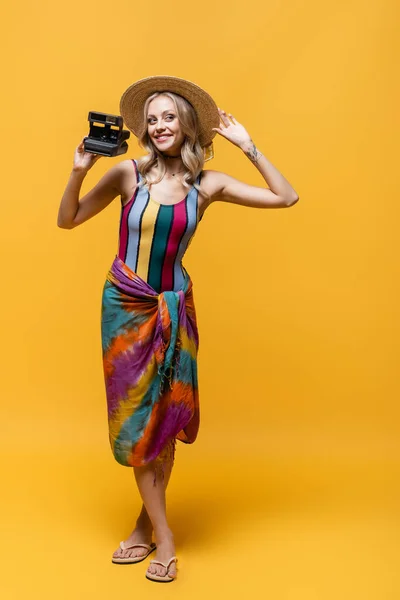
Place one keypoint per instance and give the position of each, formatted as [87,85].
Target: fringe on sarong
[165,458]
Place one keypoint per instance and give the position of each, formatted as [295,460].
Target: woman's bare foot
[142,534]
[165,551]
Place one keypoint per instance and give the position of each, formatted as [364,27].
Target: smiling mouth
[161,138]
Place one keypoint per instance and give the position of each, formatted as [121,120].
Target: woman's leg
[154,500]
[142,534]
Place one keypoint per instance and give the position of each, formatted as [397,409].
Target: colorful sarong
[149,345]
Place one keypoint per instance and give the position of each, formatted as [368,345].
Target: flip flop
[161,578]
[129,560]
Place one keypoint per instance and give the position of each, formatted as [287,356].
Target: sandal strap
[157,562]
[124,547]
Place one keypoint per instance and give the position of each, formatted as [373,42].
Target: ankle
[162,533]
[144,524]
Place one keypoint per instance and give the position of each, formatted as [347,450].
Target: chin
[173,149]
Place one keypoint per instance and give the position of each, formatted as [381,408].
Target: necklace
[167,156]
[173,174]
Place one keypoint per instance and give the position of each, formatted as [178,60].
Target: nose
[160,127]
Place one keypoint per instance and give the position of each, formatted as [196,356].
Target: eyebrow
[164,111]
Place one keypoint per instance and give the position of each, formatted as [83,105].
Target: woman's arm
[226,188]
[72,211]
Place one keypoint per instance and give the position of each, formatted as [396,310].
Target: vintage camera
[106,136]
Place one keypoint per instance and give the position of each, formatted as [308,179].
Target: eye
[150,119]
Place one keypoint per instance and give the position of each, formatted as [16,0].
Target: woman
[149,330]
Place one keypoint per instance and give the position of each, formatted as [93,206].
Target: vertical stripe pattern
[153,237]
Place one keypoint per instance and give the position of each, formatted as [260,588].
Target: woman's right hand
[83,161]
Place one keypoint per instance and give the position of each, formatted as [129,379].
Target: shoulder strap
[138,176]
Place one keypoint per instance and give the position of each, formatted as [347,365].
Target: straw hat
[133,99]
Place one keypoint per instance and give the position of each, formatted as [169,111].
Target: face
[163,125]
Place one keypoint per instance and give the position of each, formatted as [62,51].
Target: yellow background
[291,489]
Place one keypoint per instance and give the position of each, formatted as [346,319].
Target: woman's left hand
[231,129]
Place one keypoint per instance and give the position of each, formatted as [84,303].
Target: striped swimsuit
[154,237]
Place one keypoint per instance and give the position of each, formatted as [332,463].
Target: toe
[129,552]
[172,571]
[136,552]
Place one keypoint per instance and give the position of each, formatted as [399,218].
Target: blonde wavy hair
[192,153]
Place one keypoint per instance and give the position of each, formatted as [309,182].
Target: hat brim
[133,99]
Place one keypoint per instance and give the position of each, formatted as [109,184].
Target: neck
[170,155]
[174,162]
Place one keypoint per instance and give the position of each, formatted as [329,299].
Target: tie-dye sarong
[149,344]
